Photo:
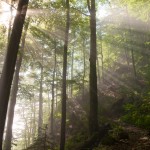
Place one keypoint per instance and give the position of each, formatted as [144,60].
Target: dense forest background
[75,75]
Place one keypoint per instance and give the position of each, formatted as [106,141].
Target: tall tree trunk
[102,59]
[8,138]
[72,67]
[127,60]
[40,120]
[9,64]
[25,137]
[49,101]
[133,63]
[132,52]
[53,93]
[25,131]
[34,120]
[93,116]
[72,62]
[98,70]
[63,118]
[56,87]
[83,79]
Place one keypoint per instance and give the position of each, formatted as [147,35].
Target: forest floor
[138,139]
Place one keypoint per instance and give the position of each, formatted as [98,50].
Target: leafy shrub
[138,114]
[75,140]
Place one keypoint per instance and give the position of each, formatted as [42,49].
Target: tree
[93,116]
[40,120]
[53,91]
[10,61]
[64,97]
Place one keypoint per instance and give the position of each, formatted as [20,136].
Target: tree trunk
[93,116]
[133,63]
[8,138]
[83,82]
[63,118]
[98,70]
[53,92]
[132,52]
[72,67]
[34,120]
[10,61]
[102,59]
[40,120]
[25,131]
[56,88]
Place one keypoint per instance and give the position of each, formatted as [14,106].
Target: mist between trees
[73,73]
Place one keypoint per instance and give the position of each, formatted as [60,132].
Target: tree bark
[9,64]
[63,118]
[93,116]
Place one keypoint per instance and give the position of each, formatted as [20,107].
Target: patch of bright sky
[102,11]
[5,13]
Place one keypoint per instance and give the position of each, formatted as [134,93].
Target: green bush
[138,114]
[75,140]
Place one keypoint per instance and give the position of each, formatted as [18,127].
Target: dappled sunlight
[57,92]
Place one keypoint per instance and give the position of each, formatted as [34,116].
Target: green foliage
[138,114]
[140,8]
[116,36]
[76,140]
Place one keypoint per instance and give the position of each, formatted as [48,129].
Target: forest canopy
[74,75]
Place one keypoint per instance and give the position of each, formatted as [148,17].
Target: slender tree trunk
[64,97]
[133,63]
[25,137]
[40,120]
[25,131]
[53,93]
[56,89]
[102,59]
[93,116]
[132,52]
[83,82]
[127,60]
[72,61]
[72,68]
[34,121]
[28,129]
[9,64]
[98,70]
[49,101]
[8,138]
